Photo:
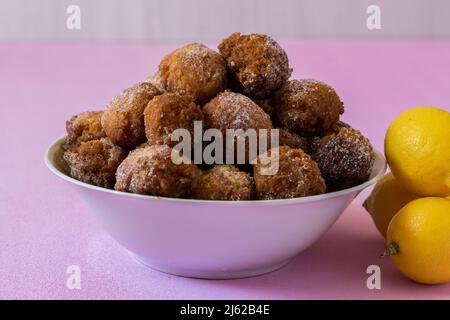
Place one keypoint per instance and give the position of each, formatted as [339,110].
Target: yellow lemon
[386,199]
[417,148]
[418,240]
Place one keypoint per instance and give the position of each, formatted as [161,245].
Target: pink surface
[44,227]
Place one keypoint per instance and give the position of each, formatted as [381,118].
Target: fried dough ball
[95,161]
[297,176]
[84,127]
[150,170]
[308,107]
[157,81]
[257,63]
[123,120]
[345,158]
[293,140]
[229,110]
[194,70]
[224,182]
[168,112]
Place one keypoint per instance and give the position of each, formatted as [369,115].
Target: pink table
[44,227]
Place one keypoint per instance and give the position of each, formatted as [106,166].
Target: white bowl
[212,239]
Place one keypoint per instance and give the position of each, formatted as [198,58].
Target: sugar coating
[298,176]
[95,161]
[123,120]
[257,63]
[224,182]
[157,80]
[230,110]
[345,158]
[168,112]
[193,70]
[308,107]
[84,127]
[150,170]
[143,117]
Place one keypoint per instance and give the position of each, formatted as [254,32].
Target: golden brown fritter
[229,110]
[298,176]
[194,70]
[257,63]
[345,158]
[123,120]
[95,161]
[224,182]
[168,112]
[290,139]
[157,81]
[84,127]
[308,107]
[150,170]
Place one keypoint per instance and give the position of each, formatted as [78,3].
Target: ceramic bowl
[212,239]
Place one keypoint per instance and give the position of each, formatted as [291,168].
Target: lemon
[418,240]
[417,148]
[386,199]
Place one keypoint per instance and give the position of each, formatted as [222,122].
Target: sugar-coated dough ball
[257,63]
[345,158]
[224,182]
[297,176]
[229,110]
[156,80]
[123,120]
[244,86]
[150,170]
[308,107]
[168,112]
[194,70]
[95,161]
[84,127]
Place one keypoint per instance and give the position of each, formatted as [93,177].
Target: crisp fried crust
[168,112]
[257,63]
[345,158]
[224,182]
[229,110]
[95,161]
[123,120]
[84,127]
[150,170]
[298,176]
[193,70]
[308,107]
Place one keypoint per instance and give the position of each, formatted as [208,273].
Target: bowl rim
[376,176]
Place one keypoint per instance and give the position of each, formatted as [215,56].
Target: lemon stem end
[392,249]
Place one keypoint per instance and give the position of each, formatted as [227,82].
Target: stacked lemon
[411,205]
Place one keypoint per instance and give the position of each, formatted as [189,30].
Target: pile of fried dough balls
[128,146]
